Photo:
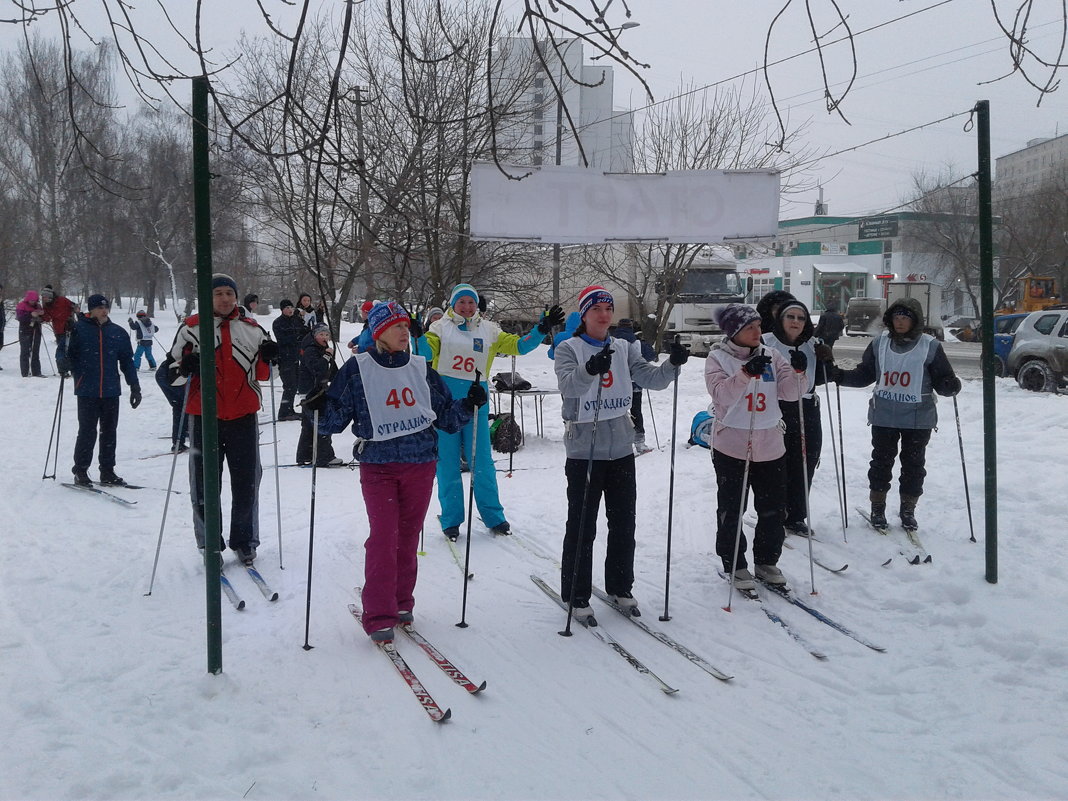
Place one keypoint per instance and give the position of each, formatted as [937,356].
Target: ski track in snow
[106,692]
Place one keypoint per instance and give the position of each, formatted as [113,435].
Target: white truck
[705,287]
[930,297]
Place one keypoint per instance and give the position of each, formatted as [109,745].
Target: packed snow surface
[106,692]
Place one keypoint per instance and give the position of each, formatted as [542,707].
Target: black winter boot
[81,477]
[878,509]
[108,477]
[908,513]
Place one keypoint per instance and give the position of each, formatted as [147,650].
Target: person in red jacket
[243,355]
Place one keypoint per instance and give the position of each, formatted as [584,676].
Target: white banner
[576,205]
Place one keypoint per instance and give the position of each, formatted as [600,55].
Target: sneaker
[335,462]
[770,574]
[626,602]
[180,447]
[108,478]
[502,528]
[743,579]
[404,618]
[878,515]
[798,528]
[246,555]
[81,477]
[452,533]
[582,612]
[639,445]
[382,636]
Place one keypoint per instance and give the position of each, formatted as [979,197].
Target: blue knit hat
[383,315]
[222,279]
[461,291]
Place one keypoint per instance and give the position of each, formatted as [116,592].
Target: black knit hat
[286,302]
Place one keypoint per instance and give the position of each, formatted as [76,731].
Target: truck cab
[704,288]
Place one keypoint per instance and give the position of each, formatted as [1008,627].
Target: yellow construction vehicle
[1036,292]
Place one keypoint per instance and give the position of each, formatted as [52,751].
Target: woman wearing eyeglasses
[793,331]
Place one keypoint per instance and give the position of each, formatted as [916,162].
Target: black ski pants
[287,371]
[30,349]
[239,448]
[176,398]
[796,488]
[767,480]
[306,443]
[614,479]
[884,447]
[94,413]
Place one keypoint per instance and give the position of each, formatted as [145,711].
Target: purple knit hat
[733,317]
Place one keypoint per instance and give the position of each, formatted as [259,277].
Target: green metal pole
[986,302]
[206,333]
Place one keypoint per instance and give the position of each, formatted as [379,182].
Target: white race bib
[461,353]
[759,404]
[398,398]
[901,374]
[616,386]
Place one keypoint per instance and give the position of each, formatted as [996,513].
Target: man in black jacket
[830,326]
[289,330]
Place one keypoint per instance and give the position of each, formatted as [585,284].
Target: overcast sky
[910,73]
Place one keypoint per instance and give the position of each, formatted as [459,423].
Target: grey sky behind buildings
[909,73]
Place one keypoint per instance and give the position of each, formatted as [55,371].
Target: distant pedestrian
[251,303]
[830,327]
[96,350]
[29,314]
[144,331]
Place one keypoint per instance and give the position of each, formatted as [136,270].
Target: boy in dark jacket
[317,368]
[907,366]
[94,352]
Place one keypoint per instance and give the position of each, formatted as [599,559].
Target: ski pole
[311,526]
[838,479]
[277,490]
[470,501]
[170,483]
[841,448]
[652,417]
[671,491]
[804,475]
[511,451]
[964,469]
[745,490]
[581,534]
[57,419]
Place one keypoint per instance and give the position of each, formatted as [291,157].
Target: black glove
[798,360]
[756,366]
[678,354]
[269,351]
[415,328]
[476,397]
[600,362]
[63,366]
[135,397]
[948,386]
[316,401]
[834,373]
[824,353]
[190,364]
[551,318]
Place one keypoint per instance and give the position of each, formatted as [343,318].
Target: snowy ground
[106,692]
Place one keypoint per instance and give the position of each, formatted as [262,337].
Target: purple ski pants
[397,496]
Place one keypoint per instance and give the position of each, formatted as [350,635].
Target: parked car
[864,316]
[1039,356]
[1005,326]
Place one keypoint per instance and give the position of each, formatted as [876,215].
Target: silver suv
[1039,356]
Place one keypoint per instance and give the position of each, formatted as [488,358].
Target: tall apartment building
[530,133]
[1025,170]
